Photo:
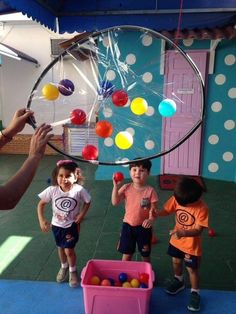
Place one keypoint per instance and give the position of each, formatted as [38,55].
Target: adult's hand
[17,124]
[39,140]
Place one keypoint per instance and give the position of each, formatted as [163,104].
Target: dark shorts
[130,236]
[191,261]
[66,237]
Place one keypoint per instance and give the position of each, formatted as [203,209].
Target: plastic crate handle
[153,276]
[83,273]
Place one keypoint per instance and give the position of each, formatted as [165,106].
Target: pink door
[186,158]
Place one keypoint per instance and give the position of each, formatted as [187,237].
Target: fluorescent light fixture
[16,54]
[8,52]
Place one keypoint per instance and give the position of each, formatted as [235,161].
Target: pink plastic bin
[115,300]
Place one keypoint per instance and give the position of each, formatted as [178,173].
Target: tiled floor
[28,254]
[42,297]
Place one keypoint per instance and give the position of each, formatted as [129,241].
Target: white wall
[17,78]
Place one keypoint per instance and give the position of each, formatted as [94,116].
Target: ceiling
[83,15]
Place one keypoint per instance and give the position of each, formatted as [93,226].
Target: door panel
[186,158]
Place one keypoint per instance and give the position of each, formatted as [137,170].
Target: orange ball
[104,128]
[95,280]
[105,282]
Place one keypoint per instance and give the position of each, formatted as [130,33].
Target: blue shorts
[191,261]
[130,236]
[66,237]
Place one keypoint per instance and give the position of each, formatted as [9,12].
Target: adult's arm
[12,191]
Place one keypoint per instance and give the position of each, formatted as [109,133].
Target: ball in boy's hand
[118,177]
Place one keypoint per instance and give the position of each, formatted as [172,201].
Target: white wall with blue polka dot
[218,152]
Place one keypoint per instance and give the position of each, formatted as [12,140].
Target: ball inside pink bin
[66,87]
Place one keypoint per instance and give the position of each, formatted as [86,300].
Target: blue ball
[143,285]
[167,107]
[112,281]
[66,87]
[123,277]
[106,89]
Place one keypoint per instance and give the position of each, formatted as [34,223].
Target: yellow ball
[135,283]
[126,284]
[139,106]
[124,140]
[50,92]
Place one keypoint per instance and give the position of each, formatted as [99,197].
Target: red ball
[105,282]
[119,98]
[104,128]
[143,278]
[78,117]
[211,232]
[118,176]
[90,152]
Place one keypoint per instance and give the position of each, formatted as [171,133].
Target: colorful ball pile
[123,280]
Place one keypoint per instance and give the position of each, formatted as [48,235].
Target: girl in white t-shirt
[70,203]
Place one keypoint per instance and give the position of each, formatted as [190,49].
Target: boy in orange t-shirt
[140,201]
[191,218]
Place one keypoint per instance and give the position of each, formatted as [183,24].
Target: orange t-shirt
[137,203]
[188,217]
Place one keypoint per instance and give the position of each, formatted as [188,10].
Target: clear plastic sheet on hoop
[118,95]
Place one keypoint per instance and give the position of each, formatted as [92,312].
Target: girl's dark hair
[68,165]
[146,164]
[187,190]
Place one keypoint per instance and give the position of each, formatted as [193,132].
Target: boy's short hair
[187,190]
[146,164]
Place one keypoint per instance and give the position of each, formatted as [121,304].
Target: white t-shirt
[65,205]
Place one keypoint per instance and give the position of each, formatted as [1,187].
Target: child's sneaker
[175,286]
[194,302]
[73,279]
[62,274]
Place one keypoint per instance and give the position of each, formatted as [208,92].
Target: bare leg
[194,278]
[62,255]
[177,266]
[71,257]
[126,257]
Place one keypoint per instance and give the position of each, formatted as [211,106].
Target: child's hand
[153,213]
[147,223]
[78,219]
[177,233]
[45,225]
